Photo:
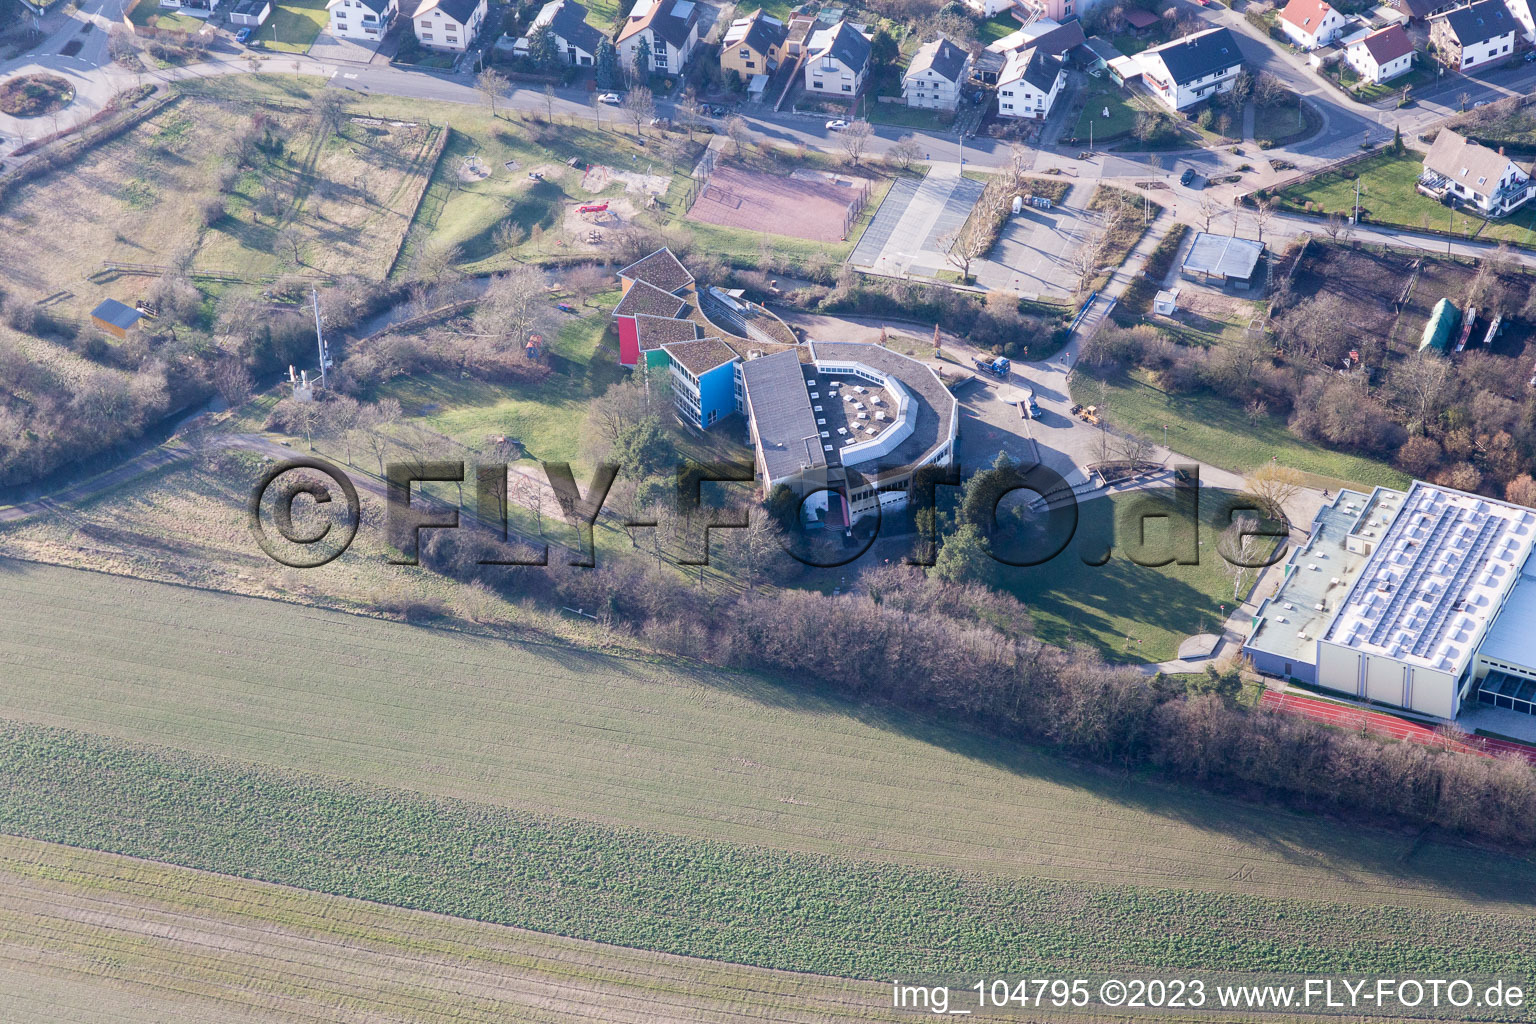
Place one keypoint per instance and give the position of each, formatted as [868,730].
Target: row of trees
[963,651]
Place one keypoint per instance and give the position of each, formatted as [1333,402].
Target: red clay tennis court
[817,209]
[1380,724]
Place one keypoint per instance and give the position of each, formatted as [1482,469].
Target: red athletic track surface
[1358,719]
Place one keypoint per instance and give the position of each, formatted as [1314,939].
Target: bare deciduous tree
[855,139]
[492,85]
[640,107]
[1273,486]
[514,306]
[905,150]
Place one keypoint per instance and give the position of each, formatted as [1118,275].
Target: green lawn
[1214,430]
[1102,93]
[1126,611]
[546,417]
[1388,196]
[1281,123]
[996,27]
[905,116]
[149,14]
[293,26]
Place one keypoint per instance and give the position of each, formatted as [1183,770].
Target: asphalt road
[1345,125]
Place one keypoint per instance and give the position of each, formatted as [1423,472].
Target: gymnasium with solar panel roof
[1423,599]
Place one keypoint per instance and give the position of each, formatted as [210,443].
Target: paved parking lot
[1031,254]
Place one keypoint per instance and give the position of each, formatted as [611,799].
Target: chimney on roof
[1501,151]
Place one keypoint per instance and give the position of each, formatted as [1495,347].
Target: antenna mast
[325,358]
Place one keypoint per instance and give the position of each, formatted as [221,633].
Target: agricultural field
[83,931]
[567,732]
[315,203]
[650,891]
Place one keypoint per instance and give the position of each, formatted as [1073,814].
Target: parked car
[611,98]
[836,125]
[1187,177]
[717,110]
[243,34]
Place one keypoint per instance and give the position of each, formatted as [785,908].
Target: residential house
[1194,68]
[1044,34]
[753,45]
[361,19]
[1311,23]
[448,24]
[1029,84]
[837,61]
[670,29]
[1525,13]
[576,40]
[989,8]
[1462,171]
[1382,55]
[1471,36]
[934,77]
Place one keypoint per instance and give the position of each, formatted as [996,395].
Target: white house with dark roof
[448,24]
[576,40]
[1382,55]
[1311,23]
[1030,82]
[361,19]
[1465,171]
[934,77]
[837,61]
[1194,68]
[1475,35]
[670,29]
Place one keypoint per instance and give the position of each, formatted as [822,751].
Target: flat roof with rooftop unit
[1424,575]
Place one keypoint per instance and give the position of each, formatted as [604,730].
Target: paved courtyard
[903,238]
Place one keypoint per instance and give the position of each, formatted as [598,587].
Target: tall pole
[319,338]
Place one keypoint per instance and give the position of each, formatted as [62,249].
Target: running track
[1380,724]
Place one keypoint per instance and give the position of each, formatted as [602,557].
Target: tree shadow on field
[1359,855]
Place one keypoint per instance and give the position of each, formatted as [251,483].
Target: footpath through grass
[698,898]
[1215,431]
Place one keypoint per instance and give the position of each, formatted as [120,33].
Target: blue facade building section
[717,394]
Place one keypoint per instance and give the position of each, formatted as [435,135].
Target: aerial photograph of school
[631,511]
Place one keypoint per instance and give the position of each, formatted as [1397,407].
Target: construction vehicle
[998,367]
[1087,413]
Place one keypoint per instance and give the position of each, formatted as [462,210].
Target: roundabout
[35,95]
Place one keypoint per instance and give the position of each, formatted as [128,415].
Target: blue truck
[998,367]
